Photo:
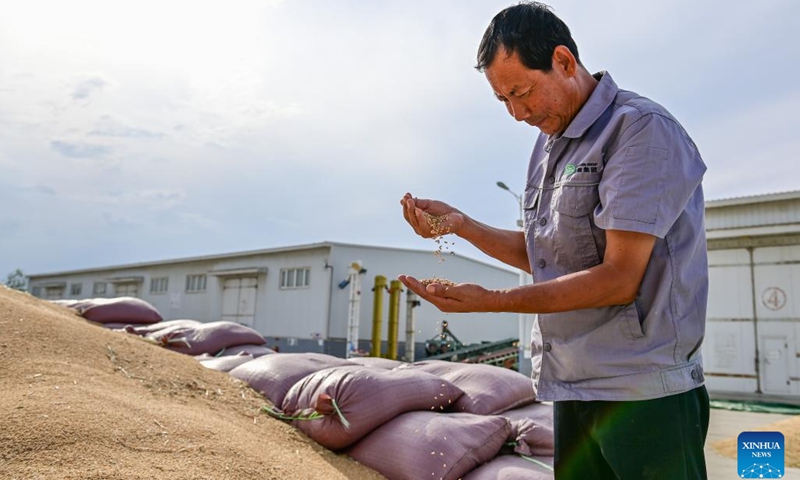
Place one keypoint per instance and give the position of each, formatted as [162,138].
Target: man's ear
[564,61]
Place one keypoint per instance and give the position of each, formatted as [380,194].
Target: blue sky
[149,130]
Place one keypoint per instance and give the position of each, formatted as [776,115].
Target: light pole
[525,320]
[519,201]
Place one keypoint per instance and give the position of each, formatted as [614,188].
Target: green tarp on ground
[757,407]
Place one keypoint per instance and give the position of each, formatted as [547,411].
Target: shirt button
[541,263]
[543,221]
[551,179]
[547,347]
[694,374]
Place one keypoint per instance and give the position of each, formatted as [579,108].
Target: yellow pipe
[377,315]
[394,317]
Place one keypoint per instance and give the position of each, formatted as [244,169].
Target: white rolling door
[239,300]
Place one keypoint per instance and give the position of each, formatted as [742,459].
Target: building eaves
[753,199]
[223,256]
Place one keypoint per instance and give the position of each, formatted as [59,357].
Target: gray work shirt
[624,163]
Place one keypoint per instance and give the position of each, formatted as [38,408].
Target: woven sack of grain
[353,401]
[117,310]
[377,362]
[226,363]
[419,445]
[273,375]
[532,429]
[488,390]
[206,337]
[250,349]
[513,467]
[143,330]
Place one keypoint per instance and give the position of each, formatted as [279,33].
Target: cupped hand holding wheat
[431,218]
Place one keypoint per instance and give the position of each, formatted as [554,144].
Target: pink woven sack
[513,467]
[206,337]
[420,445]
[353,401]
[532,429]
[273,375]
[488,390]
[117,310]
[227,363]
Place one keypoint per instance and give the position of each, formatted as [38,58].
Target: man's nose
[518,111]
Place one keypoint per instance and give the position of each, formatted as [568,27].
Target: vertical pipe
[377,314]
[411,302]
[757,360]
[329,267]
[354,313]
[394,317]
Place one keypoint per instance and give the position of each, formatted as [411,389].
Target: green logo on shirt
[569,170]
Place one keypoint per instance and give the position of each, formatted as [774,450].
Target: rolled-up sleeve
[649,177]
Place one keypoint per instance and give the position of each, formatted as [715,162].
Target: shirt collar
[603,95]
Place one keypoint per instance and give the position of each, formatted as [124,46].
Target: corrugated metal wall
[783,212]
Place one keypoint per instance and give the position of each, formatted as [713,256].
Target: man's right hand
[415,210]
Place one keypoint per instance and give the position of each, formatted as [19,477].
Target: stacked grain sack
[430,419]
[192,337]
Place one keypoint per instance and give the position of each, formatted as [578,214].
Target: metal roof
[757,215]
[201,258]
[225,256]
[751,199]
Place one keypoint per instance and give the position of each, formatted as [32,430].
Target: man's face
[546,100]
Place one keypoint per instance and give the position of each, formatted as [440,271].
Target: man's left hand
[460,298]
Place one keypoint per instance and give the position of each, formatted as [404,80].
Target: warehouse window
[99,288]
[36,292]
[76,289]
[53,293]
[195,283]
[159,285]
[295,277]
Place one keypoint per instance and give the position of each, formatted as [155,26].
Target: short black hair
[531,30]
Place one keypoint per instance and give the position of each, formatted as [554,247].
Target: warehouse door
[239,300]
[777,288]
[775,364]
[126,289]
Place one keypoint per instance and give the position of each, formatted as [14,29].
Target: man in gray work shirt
[614,239]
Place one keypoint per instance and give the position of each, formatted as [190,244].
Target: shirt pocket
[573,206]
[632,321]
[529,203]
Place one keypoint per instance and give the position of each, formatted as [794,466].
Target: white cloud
[87,87]
[79,149]
[109,127]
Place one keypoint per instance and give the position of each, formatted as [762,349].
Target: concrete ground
[726,424]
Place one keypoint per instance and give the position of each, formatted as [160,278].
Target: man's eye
[524,94]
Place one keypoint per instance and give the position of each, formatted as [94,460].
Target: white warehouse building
[752,343]
[297,297]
